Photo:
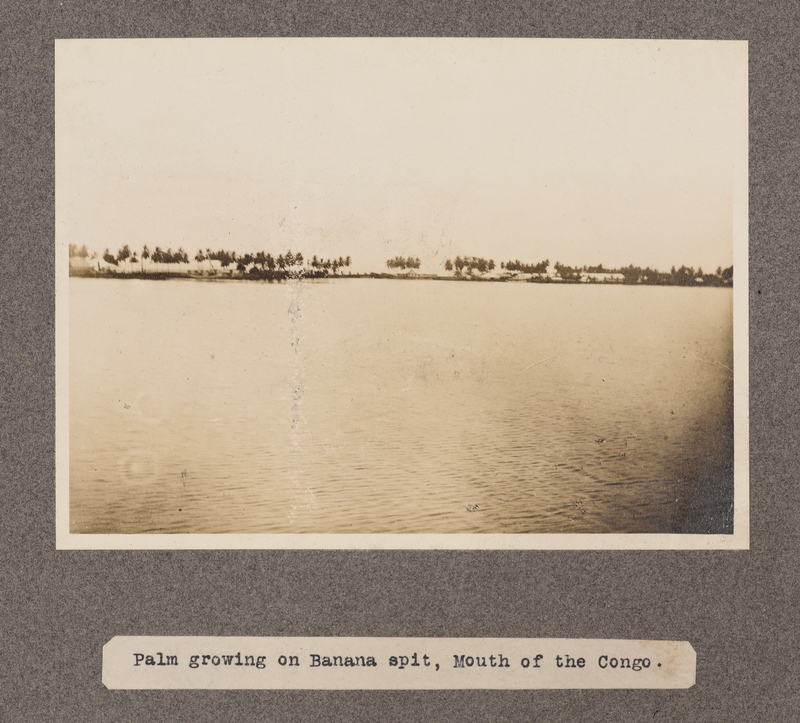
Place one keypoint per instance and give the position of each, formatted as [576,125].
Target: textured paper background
[59,608]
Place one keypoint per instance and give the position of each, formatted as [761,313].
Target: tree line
[399,262]
[468,265]
[263,265]
[256,265]
[683,276]
[525,268]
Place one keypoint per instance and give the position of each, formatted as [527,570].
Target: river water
[398,406]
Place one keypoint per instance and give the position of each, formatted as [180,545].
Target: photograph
[387,293]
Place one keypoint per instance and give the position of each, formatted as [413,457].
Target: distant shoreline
[235,276]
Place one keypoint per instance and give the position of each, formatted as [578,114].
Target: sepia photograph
[401,293]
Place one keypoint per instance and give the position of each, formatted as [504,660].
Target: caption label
[394,663]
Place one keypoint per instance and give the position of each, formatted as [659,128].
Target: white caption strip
[394,663]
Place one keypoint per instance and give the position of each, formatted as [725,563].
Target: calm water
[398,406]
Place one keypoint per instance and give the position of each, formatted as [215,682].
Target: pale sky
[579,151]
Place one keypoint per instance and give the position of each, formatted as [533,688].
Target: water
[377,406]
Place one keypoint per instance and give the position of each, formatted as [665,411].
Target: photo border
[739,539]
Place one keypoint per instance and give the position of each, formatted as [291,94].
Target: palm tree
[145,255]
[299,272]
[244,261]
[124,253]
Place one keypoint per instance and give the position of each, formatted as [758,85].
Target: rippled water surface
[359,405]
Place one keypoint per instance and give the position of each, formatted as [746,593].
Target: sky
[578,151]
